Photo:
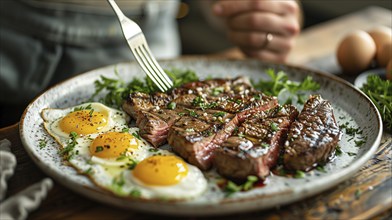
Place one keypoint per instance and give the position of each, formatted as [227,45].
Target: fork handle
[118,11]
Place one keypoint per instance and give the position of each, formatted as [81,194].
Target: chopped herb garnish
[264,145]
[321,168]
[82,108]
[299,174]
[91,112]
[193,113]
[171,105]
[274,126]
[42,143]
[125,130]
[153,150]
[251,180]
[351,154]
[232,187]
[121,157]
[189,130]
[117,183]
[217,90]
[88,171]
[359,143]
[219,114]
[357,194]
[67,151]
[98,149]
[237,101]
[200,102]
[136,135]
[135,193]
[132,163]
[338,151]
[257,97]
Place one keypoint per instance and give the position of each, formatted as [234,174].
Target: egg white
[191,186]
[52,118]
[115,174]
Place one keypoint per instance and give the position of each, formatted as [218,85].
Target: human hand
[262,29]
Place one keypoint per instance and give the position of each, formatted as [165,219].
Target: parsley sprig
[118,90]
[286,90]
[68,150]
[380,92]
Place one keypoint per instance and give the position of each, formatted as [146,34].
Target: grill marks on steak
[196,135]
[313,137]
[229,96]
[234,126]
[254,148]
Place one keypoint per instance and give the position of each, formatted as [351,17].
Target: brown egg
[381,35]
[356,52]
[389,70]
[384,54]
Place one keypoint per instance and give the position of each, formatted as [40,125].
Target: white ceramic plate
[351,106]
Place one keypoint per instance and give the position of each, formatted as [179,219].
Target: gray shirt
[45,41]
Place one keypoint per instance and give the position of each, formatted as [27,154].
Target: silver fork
[139,47]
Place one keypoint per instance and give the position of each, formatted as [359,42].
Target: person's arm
[262,29]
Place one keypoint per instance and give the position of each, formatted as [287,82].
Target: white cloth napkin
[19,205]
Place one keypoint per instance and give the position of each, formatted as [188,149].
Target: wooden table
[373,181]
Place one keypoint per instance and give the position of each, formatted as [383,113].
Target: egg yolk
[112,144]
[83,122]
[161,170]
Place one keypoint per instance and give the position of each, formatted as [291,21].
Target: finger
[266,22]
[257,40]
[227,8]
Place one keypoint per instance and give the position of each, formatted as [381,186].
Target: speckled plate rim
[226,206]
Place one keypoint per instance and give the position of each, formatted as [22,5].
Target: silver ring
[268,39]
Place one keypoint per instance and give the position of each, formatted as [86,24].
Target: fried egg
[98,143]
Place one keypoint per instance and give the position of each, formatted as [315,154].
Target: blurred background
[196,32]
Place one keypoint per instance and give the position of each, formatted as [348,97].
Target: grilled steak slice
[255,147]
[155,124]
[197,133]
[138,102]
[313,137]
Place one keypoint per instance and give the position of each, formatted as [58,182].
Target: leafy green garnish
[338,151]
[67,151]
[98,149]
[380,92]
[171,105]
[118,90]
[42,143]
[286,90]
[274,126]
[232,187]
[136,135]
[299,174]
[135,193]
[82,108]
[118,183]
[219,114]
